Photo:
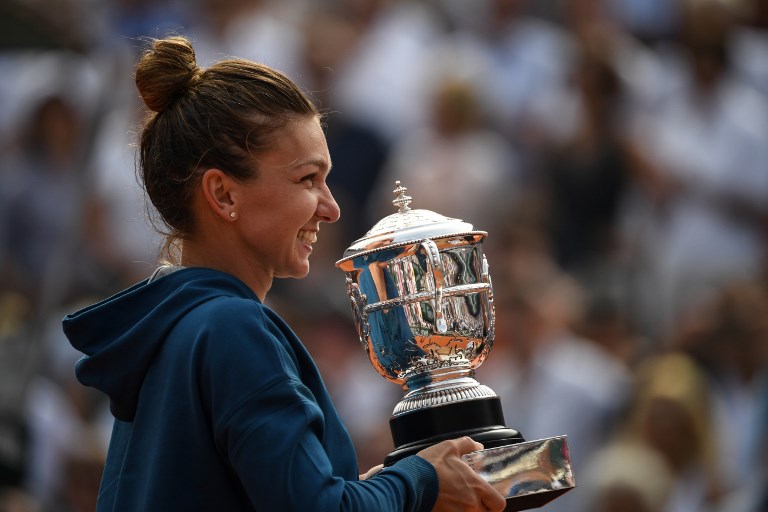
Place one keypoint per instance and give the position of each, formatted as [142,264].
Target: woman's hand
[461,489]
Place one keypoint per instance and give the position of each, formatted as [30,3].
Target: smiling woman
[217,404]
[264,227]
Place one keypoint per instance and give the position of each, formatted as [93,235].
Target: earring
[232,214]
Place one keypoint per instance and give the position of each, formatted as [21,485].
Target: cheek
[303,208]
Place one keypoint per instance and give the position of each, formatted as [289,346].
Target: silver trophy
[422,301]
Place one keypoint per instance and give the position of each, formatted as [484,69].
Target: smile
[308,237]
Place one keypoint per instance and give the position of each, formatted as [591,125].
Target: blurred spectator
[265,31]
[728,336]
[46,205]
[529,61]
[79,488]
[67,421]
[750,43]
[706,153]
[671,414]
[588,170]
[625,477]
[382,79]
[16,500]
[455,166]
[650,21]
[121,235]
[16,362]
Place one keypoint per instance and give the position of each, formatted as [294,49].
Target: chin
[296,273]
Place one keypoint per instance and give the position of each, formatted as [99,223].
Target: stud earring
[232,215]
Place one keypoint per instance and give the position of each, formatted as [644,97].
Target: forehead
[298,140]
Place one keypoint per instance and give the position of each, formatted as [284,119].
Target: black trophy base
[481,419]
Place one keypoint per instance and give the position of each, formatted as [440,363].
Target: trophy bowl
[423,304]
[422,301]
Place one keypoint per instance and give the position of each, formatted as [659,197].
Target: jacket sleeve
[269,427]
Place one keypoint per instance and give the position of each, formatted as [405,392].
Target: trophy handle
[358,301]
[490,312]
[435,269]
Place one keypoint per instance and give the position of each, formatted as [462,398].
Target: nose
[328,209]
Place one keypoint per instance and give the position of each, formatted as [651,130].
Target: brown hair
[221,117]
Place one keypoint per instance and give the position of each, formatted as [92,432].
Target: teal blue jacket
[219,406]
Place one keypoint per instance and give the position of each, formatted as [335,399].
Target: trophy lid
[408,226]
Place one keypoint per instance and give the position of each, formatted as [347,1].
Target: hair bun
[165,71]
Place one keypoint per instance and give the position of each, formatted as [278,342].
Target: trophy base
[481,419]
[528,474]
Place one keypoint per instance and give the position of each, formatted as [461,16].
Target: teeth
[308,237]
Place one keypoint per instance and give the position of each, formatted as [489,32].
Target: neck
[195,254]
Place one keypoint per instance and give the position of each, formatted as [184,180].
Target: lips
[308,237]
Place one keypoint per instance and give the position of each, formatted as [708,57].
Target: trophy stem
[439,378]
[440,387]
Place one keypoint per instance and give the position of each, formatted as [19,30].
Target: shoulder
[230,327]
[239,319]
[223,311]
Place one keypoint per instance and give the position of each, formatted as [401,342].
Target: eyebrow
[317,162]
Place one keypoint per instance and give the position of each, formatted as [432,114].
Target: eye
[309,178]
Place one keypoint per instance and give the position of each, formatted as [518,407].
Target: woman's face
[280,211]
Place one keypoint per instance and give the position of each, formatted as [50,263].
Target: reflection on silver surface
[398,297]
[535,471]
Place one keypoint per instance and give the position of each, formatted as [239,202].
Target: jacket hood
[121,335]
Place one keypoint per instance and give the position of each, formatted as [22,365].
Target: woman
[217,404]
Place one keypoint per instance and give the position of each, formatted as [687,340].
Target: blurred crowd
[616,151]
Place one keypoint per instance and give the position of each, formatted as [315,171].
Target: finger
[494,501]
[467,444]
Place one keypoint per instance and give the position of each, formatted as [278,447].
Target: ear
[218,191]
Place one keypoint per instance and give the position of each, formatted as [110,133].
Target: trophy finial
[401,201]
